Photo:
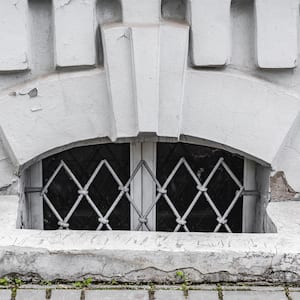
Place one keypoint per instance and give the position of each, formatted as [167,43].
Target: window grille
[64,181]
[196,189]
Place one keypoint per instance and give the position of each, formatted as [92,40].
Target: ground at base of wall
[150,292]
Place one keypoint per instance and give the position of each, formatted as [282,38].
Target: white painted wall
[153,80]
[148,82]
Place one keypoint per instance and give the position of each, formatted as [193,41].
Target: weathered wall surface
[128,256]
[218,72]
[153,80]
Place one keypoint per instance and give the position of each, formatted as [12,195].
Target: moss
[287,293]
[48,294]
[220,292]
[13,293]
[151,291]
[83,284]
[4,281]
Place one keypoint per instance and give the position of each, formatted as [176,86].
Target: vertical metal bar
[148,185]
[34,178]
[249,202]
[136,184]
[143,188]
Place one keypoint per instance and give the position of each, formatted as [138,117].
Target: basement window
[142,186]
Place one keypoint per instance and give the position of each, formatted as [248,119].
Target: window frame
[139,150]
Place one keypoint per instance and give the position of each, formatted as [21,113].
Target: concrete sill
[128,256]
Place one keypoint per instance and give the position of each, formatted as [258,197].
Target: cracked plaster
[133,256]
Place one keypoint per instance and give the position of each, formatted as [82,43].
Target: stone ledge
[128,256]
[285,216]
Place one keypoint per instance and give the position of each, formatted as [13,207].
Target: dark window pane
[182,188]
[103,191]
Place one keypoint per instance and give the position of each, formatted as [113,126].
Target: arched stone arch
[248,115]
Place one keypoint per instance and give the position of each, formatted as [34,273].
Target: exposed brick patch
[280,189]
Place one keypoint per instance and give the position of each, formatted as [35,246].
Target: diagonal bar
[230,207]
[201,188]
[234,178]
[124,190]
[55,212]
[51,179]
[161,193]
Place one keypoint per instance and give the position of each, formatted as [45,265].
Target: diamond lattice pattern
[161,195]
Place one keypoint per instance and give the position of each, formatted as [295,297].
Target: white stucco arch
[245,115]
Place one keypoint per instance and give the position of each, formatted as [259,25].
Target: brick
[203,295]
[254,295]
[169,295]
[5,294]
[295,295]
[115,294]
[30,294]
[65,294]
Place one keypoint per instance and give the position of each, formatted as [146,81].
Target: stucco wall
[202,72]
[153,79]
[45,50]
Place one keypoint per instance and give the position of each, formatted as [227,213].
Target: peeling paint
[31,93]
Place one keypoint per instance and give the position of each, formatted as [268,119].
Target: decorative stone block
[145,57]
[119,74]
[14,36]
[276,33]
[171,74]
[141,11]
[210,31]
[75,30]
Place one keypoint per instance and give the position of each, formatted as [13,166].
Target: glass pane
[63,192]
[182,188]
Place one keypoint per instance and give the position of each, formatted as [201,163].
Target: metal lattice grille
[161,195]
